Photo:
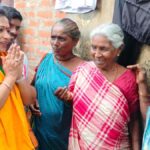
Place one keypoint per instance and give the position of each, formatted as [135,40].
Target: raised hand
[13,62]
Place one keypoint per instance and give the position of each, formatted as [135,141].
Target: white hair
[111,31]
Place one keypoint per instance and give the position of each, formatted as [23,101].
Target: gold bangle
[6,85]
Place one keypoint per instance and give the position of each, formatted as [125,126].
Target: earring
[118,54]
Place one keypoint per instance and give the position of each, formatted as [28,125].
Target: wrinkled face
[61,43]
[102,51]
[14,28]
[4,33]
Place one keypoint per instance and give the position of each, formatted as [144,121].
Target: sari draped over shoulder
[100,112]
[52,127]
[14,129]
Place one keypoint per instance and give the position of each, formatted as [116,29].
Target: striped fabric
[100,112]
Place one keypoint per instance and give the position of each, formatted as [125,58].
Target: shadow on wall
[88,21]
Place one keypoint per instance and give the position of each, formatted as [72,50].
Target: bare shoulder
[78,61]
[75,62]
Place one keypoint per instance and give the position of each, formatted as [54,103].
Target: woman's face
[4,33]
[61,43]
[103,53]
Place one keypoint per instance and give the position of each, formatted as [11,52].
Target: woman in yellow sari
[15,92]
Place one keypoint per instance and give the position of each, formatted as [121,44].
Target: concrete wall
[86,22]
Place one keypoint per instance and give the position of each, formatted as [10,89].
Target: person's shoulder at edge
[85,65]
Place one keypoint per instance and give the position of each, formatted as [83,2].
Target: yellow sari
[14,128]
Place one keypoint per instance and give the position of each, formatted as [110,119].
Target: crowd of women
[76,105]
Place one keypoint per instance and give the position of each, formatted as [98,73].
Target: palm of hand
[13,62]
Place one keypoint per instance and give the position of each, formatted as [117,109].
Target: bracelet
[21,79]
[6,85]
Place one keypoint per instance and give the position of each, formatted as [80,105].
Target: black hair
[2,12]
[11,12]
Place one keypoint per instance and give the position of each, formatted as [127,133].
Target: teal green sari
[52,128]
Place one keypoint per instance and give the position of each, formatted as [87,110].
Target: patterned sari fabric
[14,130]
[101,113]
[52,127]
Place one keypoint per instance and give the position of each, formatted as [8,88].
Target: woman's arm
[27,91]
[144,100]
[134,129]
[5,88]
[144,95]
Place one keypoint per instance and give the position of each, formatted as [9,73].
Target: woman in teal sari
[53,125]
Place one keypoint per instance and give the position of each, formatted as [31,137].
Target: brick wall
[39,15]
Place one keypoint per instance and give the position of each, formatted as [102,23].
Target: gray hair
[112,32]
